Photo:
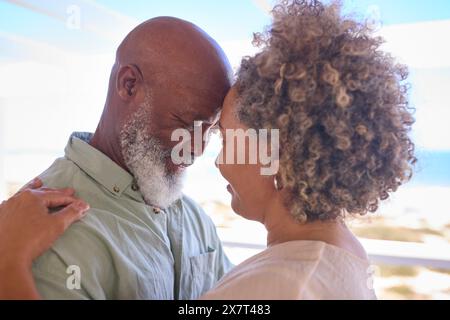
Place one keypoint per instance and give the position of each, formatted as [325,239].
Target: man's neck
[105,144]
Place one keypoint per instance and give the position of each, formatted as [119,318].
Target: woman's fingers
[36,183]
[55,199]
[65,191]
[71,213]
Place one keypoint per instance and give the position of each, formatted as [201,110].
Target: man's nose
[219,159]
[216,162]
[193,157]
[200,138]
[198,148]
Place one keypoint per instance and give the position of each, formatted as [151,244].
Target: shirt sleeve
[54,280]
[78,266]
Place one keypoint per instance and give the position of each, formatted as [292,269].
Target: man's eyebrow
[195,117]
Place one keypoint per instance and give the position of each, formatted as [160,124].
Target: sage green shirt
[123,248]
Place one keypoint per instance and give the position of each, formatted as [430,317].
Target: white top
[297,270]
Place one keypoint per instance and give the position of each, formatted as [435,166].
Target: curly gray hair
[340,104]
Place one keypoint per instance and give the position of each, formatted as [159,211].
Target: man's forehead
[211,116]
[203,88]
[197,100]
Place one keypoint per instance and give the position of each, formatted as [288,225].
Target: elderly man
[142,239]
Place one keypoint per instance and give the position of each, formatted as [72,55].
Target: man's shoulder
[87,237]
[194,210]
[86,247]
[191,204]
[60,174]
[197,221]
[86,244]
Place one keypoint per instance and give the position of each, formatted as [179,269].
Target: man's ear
[129,79]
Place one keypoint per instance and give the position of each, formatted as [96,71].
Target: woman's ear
[129,79]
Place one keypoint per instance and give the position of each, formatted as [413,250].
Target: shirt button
[156,210]
[134,187]
[116,189]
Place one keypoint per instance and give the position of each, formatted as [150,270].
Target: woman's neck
[282,227]
[286,228]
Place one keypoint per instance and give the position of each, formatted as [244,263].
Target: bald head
[174,54]
[173,69]
[174,49]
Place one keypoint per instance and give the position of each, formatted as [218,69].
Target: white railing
[380,252]
[408,253]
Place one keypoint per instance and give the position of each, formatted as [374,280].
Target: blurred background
[55,60]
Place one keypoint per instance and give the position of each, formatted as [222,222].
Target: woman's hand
[28,229]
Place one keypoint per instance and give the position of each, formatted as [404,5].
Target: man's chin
[162,201]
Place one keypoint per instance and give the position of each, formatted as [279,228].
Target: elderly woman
[343,116]
[341,108]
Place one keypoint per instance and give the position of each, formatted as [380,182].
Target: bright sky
[53,77]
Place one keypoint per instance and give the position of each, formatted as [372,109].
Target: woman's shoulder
[292,270]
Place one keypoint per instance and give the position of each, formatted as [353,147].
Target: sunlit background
[55,59]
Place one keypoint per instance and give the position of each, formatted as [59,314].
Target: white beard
[146,159]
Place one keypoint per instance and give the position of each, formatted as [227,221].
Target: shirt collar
[101,168]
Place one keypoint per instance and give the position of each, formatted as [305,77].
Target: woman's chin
[239,210]
[235,208]
[235,205]
[243,209]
